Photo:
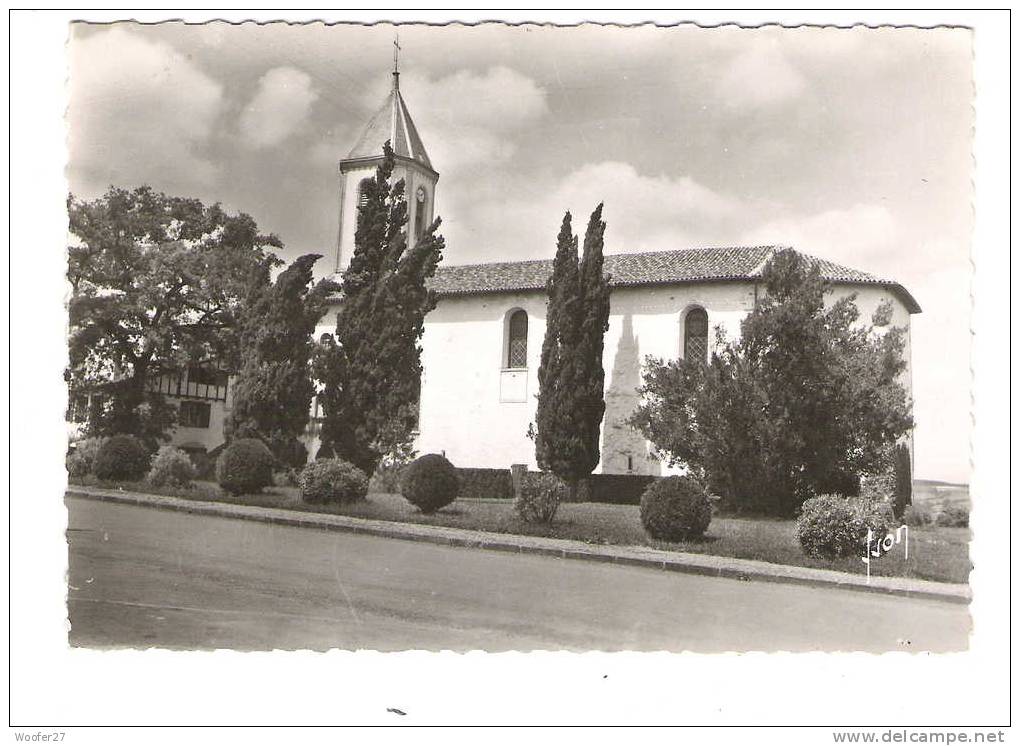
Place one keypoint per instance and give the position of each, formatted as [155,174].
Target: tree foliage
[370,375]
[274,389]
[805,402]
[571,379]
[156,284]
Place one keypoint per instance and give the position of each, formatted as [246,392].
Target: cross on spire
[396,59]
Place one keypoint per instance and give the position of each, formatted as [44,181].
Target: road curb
[695,564]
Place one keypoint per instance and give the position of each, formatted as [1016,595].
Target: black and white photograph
[516,337]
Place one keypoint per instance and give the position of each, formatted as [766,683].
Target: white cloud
[642,212]
[863,236]
[279,107]
[469,118]
[759,76]
[139,112]
[645,212]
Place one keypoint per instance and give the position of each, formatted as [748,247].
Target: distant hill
[934,492]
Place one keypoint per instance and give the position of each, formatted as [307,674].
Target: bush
[290,453]
[332,481]
[386,478]
[540,497]
[491,483]
[245,465]
[917,516]
[881,486]
[78,467]
[953,516]
[87,449]
[204,464]
[121,457]
[835,526]
[171,467]
[387,474]
[675,509]
[430,482]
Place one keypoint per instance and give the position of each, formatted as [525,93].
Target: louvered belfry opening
[363,188]
[517,341]
[696,335]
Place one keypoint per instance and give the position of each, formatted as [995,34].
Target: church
[482,343]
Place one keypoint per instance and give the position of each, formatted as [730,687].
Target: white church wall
[465,413]
[462,411]
[650,321]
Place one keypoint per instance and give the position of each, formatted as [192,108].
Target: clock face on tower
[421,195]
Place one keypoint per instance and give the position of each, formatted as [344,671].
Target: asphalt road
[143,577]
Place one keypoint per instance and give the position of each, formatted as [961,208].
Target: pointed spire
[392,122]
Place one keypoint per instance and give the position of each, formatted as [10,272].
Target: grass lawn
[936,553]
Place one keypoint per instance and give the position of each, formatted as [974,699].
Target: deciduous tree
[804,403]
[156,284]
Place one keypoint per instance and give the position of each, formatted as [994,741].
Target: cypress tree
[594,322]
[274,388]
[371,372]
[571,400]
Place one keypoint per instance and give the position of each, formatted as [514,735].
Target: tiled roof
[392,122]
[651,268]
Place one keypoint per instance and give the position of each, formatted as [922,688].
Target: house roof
[649,268]
[391,122]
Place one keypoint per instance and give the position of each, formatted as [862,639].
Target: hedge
[494,483]
[619,489]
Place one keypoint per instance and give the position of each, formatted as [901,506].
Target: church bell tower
[391,122]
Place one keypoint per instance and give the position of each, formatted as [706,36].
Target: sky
[850,144]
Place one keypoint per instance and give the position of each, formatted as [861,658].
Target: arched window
[419,220]
[517,340]
[420,210]
[363,188]
[696,335]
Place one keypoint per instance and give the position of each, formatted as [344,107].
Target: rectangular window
[195,414]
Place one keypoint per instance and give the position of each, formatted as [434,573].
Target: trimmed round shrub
[77,465]
[121,457]
[539,497]
[246,465]
[430,482]
[171,467]
[835,526]
[675,509]
[332,480]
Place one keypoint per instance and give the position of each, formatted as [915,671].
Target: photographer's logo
[877,546]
